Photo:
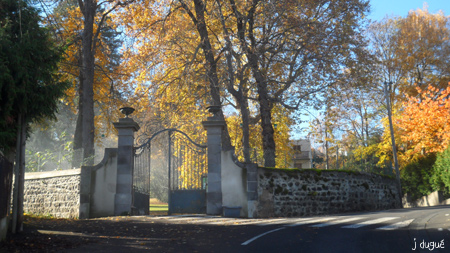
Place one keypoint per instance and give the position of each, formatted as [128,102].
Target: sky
[381,8]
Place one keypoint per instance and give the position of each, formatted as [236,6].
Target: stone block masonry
[55,193]
[289,193]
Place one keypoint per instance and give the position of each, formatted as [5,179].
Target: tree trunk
[245,114]
[77,156]
[211,66]
[19,174]
[238,94]
[326,151]
[265,105]
[391,128]
[268,141]
[265,110]
[87,97]
[337,157]
[394,148]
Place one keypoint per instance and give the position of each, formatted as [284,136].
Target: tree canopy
[29,80]
[252,54]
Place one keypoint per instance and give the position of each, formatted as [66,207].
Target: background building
[302,158]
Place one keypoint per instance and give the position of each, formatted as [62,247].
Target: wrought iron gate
[180,162]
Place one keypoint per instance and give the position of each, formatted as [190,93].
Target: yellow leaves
[362,152]
[164,65]
[282,124]
[424,46]
[107,79]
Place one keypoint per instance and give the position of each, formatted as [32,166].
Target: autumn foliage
[425,121]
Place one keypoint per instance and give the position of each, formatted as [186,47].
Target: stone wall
[433,199]
[287,193]
[98,187]
[234,187]
[55,193]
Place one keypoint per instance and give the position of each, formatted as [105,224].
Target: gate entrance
[170,166]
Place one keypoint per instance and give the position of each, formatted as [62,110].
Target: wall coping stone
[50,174]
[109,152]
[320,171]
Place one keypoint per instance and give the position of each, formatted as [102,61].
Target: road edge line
[261,235]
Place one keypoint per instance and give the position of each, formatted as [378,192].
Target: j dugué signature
[429,245]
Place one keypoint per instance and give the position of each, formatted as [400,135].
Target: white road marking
[334,222]
[309,221]
[440,229]
[173,217]
[370,222]
[397,225]
[183,218]
[248,222]
[258,222]
[261,235]
[224,221]
[265,222]
[208,220]
[287,222]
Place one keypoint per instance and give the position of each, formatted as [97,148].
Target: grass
[38,216]
[159,208]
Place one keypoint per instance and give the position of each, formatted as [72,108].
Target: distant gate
[177,166]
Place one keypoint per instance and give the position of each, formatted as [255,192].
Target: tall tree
[176,68]
[29,87]
[90,41]
[270,54]
[424,49]
[410,52]
[293,48]
[388,71]
[67,22]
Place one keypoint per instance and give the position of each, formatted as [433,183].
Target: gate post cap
[126,123]
[213,123]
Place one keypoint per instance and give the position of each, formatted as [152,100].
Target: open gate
[171,163]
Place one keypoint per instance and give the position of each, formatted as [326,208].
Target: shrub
[440,180]
[416,176]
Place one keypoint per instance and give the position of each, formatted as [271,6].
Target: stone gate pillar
[126,127]
[214,127]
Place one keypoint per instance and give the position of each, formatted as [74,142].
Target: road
[405,230]
[400,230]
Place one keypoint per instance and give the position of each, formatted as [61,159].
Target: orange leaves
[425,121]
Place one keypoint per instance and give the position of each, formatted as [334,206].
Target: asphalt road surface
[404,230]
[401,230]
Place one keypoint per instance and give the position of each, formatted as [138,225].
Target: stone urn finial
[214,109]
[126,111]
